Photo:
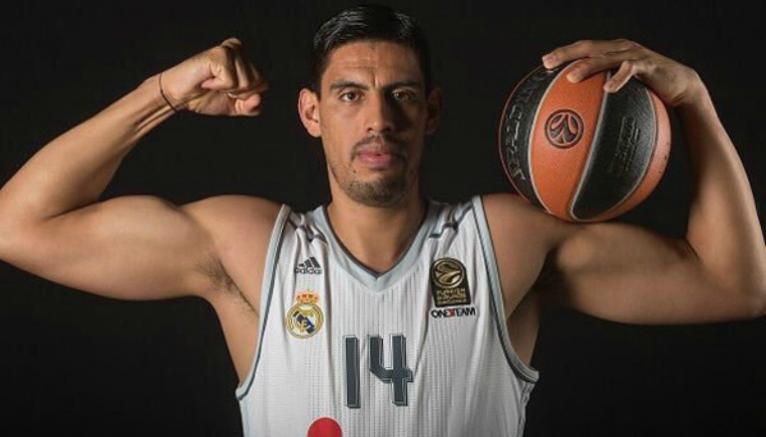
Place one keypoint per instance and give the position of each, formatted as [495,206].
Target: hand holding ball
[578,152]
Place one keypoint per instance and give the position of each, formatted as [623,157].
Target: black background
[75,362]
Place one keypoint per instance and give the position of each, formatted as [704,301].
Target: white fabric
[466,379]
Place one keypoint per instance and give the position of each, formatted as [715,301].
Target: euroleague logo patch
[305,318]
[564,128]
[449,283]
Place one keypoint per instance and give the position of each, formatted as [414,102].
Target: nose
[380,114]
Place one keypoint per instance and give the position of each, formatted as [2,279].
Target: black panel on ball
[621,152]
[516,127]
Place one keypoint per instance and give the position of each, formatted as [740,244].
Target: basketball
[578,152]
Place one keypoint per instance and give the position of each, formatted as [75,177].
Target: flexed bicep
[629,274]
[131,247]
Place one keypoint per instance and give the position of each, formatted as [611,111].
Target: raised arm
[630,274]
[132,247]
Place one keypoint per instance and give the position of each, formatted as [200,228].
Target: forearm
[74,169]
[723,227]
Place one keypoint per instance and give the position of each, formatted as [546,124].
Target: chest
[424,344]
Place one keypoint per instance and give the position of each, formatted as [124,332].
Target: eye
[404,95]
[349,96]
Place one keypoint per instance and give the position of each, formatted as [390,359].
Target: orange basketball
[578,152]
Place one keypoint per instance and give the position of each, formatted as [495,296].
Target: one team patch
[449,283]
[305,318]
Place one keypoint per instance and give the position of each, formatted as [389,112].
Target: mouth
[376,159]
[377,155]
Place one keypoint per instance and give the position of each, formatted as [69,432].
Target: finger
[252,105]
[589,66]
[245,78]
[248,76]
[242,95]
[584,48]
[230,52]
[223,70]
[257,88]
[628,69]
[250,80]
[260,88]
[249,107]
[232,42]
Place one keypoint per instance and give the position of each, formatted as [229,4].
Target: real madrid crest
[449,283]
[305,318]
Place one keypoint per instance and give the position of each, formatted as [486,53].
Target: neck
[376,236]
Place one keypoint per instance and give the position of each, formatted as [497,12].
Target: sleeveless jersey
[419,350]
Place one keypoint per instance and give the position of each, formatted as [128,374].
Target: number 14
[399,375]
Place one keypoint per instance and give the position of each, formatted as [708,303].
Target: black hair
[368,22]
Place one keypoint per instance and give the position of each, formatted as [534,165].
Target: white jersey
[419,350]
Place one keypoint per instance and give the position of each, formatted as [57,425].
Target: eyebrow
[351,84]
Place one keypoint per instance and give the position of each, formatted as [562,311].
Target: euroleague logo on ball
[564,128]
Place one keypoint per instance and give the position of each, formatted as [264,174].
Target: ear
[434,105]
[308,110]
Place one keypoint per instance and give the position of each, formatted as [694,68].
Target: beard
[382,192]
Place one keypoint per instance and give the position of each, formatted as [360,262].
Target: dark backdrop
[74,362]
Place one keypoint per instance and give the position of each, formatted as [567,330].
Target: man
[351,318]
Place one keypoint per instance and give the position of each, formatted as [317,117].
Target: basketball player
[382,313]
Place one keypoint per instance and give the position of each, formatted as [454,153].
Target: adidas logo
[310,266]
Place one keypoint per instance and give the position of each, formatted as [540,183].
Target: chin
[379,193]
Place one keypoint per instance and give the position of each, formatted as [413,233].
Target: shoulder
[523,237]
[234,213]
[239,227]
[504,203]
[510,214]
[516,225]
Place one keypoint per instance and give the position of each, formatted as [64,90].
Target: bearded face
[384,176]
[372,116]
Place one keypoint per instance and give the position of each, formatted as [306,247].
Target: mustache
[383,142]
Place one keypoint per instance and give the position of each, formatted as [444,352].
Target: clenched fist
[218,81]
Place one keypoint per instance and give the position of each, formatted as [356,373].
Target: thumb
[222,79]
